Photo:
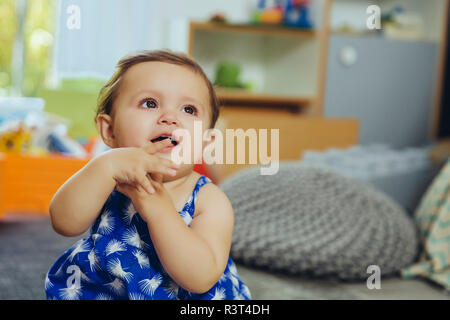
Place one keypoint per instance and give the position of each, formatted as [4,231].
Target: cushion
[309,220]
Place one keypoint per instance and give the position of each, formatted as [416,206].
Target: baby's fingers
[146,185]
[125,189]
[157,177]
[154,147]
[160,165]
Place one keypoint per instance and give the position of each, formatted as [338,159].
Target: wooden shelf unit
[287,64]
[243,97]
[255,29]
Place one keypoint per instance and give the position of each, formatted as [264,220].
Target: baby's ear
[105,128]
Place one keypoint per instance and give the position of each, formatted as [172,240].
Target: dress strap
[189,207]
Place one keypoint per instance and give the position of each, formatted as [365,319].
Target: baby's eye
[149,103]
[190,109]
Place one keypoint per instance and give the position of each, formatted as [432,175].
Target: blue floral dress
[118,261]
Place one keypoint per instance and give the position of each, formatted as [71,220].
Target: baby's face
[156,98]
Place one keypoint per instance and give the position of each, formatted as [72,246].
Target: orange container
[28,183]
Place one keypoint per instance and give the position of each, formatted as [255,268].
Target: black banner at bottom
[254,309]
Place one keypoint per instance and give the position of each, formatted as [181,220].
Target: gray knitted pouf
[308,220]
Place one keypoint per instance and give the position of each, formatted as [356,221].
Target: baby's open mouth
[174,142]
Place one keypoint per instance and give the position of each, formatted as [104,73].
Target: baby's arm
[195,256]
[76,205]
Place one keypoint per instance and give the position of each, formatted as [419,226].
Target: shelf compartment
[255,29]
[244,97]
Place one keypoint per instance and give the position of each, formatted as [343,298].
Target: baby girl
[159,230]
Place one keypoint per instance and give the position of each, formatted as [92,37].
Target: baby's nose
[168,118]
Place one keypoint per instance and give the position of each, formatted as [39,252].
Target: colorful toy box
[28,183]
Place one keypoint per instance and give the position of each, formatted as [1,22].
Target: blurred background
[361,87]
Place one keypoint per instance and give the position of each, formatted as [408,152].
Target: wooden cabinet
[297,133]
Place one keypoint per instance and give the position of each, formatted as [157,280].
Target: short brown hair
[110,90]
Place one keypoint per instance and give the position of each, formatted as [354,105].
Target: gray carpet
[29,246]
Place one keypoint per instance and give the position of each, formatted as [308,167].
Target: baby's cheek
[135,138]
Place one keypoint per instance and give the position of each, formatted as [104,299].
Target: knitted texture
[309,220]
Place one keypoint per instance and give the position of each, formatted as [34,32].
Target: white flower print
[222,278]
[103,296]
[114,266]
[219,294]
[129,213]
[95,237]
[142,259]
[237,295]
[48,283]
[234,279]
[172,289]
[186,217]
[116,286]
[148,286]
[85,277]
[106,223]
[189,202]
[136,296]
[70,293]
[232,268]
[60,272]
[246,291]
[93,261]
[131,237]
[114,246]
[80,246]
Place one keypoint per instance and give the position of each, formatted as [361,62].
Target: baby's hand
[131,165]
[148,206]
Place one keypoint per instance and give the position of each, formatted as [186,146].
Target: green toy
[228,75]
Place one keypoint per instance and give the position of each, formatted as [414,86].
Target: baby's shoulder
[210,197]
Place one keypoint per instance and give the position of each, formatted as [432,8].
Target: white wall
[112,28]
